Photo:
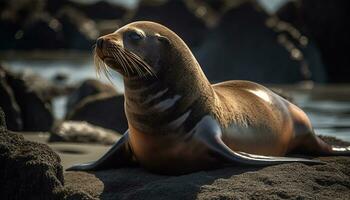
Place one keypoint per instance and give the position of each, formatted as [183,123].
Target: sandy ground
[70,153]
[287,181]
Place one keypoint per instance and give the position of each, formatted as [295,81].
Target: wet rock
[104,110]
[35,110]
[9,104]
[88,88]
[325,22]
[248,44]
[82,132]
[176,16]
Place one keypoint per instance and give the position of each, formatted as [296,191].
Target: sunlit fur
[132,65]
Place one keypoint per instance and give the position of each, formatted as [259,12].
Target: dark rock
[88,88]
[60,77]
[78,30]
[28,170]
[31,170]
[176,16]
[27,25]
[105,110]
[40,32]
[2,119]
[102,10]
[244,47]
[326,23]
[82,132]
[287,181]
[36,112]
[9,104]
[99,10]
[32,24]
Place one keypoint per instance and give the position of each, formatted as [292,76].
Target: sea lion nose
[99,43]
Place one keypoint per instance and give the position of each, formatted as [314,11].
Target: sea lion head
[142,49]
[162,78]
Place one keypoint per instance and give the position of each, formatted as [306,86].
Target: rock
[104,110]
[243,46]
[28,170]
[286,181]
[79,31]
[44,24]
[102,10]
[88,88]
[325,22]
[60,77]
[31,170]
[9,104]
[176,16]
[41,31]
[2,119]
[82,132]
[36,111]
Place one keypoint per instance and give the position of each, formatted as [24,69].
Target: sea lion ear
[162,39]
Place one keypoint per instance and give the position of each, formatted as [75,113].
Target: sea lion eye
[134,36]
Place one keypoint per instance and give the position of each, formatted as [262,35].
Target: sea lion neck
[166,99]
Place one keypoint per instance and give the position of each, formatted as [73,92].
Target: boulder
[79,31]
[28,170]
[35,106]
[176,16]
[248,44]
[31,170]
[104,110]
[82,132]
[88,88]
[9,104]
[325,22]
[2,120]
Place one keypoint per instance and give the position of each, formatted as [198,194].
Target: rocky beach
[34,162]
[35,170]
[55,112]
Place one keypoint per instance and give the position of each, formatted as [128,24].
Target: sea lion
[180,123]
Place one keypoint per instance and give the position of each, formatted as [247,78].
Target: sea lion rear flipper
[209,132]
[119,155]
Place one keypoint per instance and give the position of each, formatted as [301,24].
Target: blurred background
[297,47]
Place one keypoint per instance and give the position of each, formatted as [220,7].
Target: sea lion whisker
[127,60]
[97,62]
[142,63]
[141,73]
[134,65]
[123,61]
[106,72]
[115,55]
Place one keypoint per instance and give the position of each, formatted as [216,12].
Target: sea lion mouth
[121,60]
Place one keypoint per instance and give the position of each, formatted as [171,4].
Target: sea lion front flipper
[209,132]
[119,155]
